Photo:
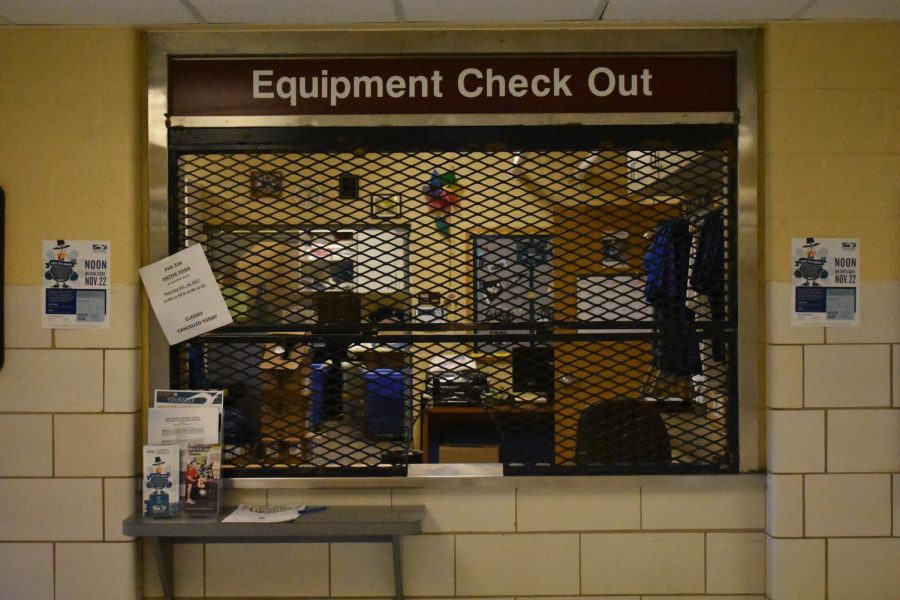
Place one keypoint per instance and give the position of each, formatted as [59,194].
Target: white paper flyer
[825,281]
[184,295]
[183,425]
[76,284]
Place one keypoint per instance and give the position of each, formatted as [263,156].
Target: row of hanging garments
[672,278]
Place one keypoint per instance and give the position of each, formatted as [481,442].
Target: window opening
[558,299]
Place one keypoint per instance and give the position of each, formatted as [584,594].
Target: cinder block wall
[832,169]
[626,537]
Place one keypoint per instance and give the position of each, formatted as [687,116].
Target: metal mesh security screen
[558,299]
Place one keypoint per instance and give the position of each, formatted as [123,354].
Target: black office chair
[622,432]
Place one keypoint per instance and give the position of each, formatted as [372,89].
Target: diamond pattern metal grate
[558,299]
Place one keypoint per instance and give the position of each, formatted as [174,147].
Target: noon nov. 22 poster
[76,276]
[825,281]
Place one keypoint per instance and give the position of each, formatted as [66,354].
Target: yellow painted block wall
[71,143]
[832,140]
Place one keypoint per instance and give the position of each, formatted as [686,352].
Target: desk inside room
[336,524]
[522,431]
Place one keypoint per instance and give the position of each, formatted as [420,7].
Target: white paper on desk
[246,513]
[183,425]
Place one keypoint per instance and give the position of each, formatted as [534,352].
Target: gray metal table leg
[162,552]
[398,571]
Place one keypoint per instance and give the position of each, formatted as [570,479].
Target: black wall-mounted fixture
[2,274]
[348,186]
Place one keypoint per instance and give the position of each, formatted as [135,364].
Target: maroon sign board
[574,83]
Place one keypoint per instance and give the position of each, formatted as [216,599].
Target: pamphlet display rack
[335,524]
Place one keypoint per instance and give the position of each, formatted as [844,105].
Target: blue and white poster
[825,281]
[76,276]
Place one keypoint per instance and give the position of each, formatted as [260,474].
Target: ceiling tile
[296,12]
[702,10]
[853,9]
[95,12]
[502,10]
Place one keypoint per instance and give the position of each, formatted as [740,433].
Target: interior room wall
[831,160]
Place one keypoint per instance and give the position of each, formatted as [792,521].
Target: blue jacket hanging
[666,265]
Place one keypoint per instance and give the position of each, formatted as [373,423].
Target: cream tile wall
[517,564]
[784,505]
[643,563]
[603,538]
[453,562]
[26,571]
[864,441]
[540,509]
[736,563]
[831,161]
[105,571]
[22,309]
[361,570]
[474,510]
[187,584]
[26,445]
[795,569]
[266,570]
[863,569]
[896,494]
[801,441]
[847,375]
[842,505]
[702,507]
[70,165]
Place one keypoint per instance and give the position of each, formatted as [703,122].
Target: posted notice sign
[76,284]
[825,281]
[184,295]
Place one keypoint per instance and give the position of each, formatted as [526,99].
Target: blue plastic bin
[317,381]
[386,403]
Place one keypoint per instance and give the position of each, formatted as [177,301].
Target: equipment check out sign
[573,83]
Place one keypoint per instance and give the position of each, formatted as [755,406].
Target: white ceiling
[155,13]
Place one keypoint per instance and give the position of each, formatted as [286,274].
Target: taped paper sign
[184,295]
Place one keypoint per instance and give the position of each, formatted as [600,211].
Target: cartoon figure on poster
[825,281]
[60,265]
[158,479]
[809,263]
[76,279]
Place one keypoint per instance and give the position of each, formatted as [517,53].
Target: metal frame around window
[582,39]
